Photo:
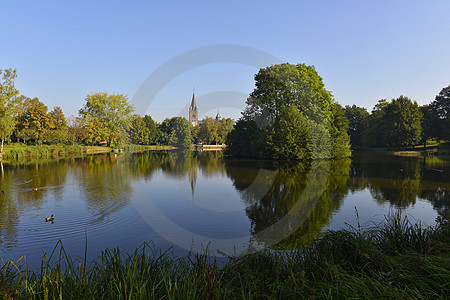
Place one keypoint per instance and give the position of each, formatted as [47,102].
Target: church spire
[193,111]
[193,104]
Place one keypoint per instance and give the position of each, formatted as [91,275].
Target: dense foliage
[8,101]
[212,131]
[106,116]
[441,108]
[290,115]
[395,124]
[358,118]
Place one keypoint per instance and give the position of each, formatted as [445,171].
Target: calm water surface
[187,200]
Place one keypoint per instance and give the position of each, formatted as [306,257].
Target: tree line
[104,118]
[289,115]
[400,122]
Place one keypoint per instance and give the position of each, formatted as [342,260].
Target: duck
[49,219]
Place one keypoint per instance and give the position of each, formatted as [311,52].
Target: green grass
[395,259]
[44,151]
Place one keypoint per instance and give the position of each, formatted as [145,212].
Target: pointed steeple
[193,111]
[193,104]
[218,116]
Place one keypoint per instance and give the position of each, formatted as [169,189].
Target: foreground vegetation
[396,259]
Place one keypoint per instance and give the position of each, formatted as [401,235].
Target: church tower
[193,111]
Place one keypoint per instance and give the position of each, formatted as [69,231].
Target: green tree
[208,130]
[138,131]
[153,130]
[59,131]
[403,122]
[284,86]
[165,129]
[278,86]
[242,140]
[339,139]
[8,102]
[395,124]
[373,135]
[293,138]
[176,132]
[109,113]
[180,135]
[58,119]
[34,122]
[358,118]
[430,124]
[76,132]
[441,108]
[226,126]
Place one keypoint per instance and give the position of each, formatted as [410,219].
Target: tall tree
[8,101]
[441,108]
[207,131]
[373,135]
[180,135]
[242,141]
[300,87]
[358,118]
[430,124]
[278,86]
[153,130]
[339,139]
[59,132]
[404,123]
[76,131]
[138,131]
[293,139]
[394,124]
[34,122]
[226,126]
[111,112]
[58,119]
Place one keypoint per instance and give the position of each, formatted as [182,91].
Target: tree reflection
[286,202]
[9,216]
[105,183]
[302,195]
[401,180]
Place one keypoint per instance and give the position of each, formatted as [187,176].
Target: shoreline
[372,264]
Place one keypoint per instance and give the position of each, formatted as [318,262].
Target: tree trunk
[1,150]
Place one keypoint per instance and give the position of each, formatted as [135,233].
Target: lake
[190,200]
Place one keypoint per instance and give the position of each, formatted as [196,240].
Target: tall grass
[396,259]
[43,151]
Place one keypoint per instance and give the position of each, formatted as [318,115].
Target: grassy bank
[45,151]
[393,260]
[431,149]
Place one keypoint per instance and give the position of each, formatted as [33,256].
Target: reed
[394,259]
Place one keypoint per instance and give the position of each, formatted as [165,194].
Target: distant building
[193,111]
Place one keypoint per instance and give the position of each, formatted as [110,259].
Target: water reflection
[282,203]
[402,180]
[302,194]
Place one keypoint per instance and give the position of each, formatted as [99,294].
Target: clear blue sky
[364,50]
